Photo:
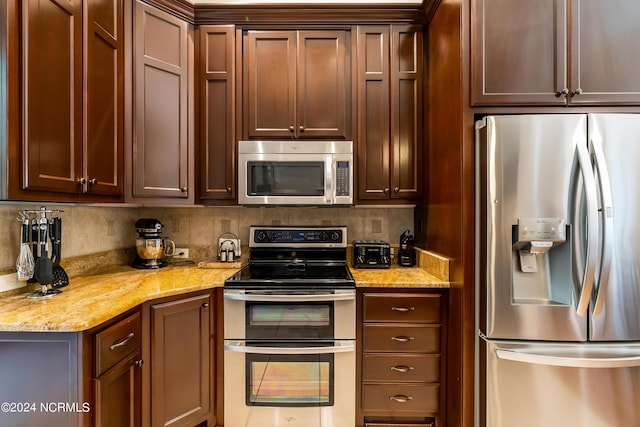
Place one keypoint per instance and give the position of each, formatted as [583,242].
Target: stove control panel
[306,236]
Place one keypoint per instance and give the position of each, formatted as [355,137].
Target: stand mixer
[151,247]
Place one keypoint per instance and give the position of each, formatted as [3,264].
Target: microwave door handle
[329,167]
[240,347]
[290,298]
[607,224]
[584,293]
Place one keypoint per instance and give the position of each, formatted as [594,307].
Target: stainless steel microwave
[295,173]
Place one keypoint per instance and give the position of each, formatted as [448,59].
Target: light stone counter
[94,299]
[89,301]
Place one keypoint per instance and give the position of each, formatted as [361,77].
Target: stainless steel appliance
[558,278]
[295,172]
[289,331]
[151,247]
[371,254]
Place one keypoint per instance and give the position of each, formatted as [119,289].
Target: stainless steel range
[289,331]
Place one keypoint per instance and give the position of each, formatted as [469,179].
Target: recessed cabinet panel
[161,135]
[217,112]
[52,94]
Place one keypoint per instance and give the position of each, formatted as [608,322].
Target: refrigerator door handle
[592,239]
[607,225]
[572,362]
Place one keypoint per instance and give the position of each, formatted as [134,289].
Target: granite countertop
[91,300]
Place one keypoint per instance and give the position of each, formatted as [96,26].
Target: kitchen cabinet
[389,164]
[297,84]
[401,358]
[181,360]
[72,88]
[161,156]
[555,52]
[216,74]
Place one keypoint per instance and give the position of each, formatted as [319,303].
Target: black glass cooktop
[291,275]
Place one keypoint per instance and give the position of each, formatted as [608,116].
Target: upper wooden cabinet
[555,52]
[297,84]
[72,100]
[162,154]
[390,113]
[216,79]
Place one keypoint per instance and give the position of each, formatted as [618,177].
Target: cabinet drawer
[116,342]
[401,398]
[402,308]
[396,338]
[401,367]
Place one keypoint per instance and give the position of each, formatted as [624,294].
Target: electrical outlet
[181,253]
[9,282]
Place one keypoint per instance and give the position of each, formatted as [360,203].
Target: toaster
[371,254]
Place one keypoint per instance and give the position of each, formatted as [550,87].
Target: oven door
[283,315]
[289,384]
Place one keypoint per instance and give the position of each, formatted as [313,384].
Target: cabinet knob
[301,128]
[183,189]
[577,92]
[386,191]
[138,363]
[82,181]
[205,305]
[396,189]
[228,189]
[564,92]
[291,128]
[93,181]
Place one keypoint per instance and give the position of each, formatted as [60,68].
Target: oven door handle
[343,346]
[289,298]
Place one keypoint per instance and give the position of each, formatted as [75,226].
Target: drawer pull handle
[121,342]
[402,338]
[403,309]
[402,368]
[401,398]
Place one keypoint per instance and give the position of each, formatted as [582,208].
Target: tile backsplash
[88,229]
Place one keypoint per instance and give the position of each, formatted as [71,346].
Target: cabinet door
[374,112]
[52,95]
[270,84]
[323,84]
[518,52]
[104,81]
[605,55]
[217,112]
[406,112]
[181,363]
[160,160]
[118,394]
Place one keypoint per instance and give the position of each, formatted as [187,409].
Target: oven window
[309,320]
[289,380]
[285,178]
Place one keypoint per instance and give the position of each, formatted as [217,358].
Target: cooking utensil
[43,271]
[60,278]
[25,264]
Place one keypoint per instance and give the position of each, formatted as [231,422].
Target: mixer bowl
[150,249]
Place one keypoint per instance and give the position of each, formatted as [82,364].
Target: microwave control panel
[342,179]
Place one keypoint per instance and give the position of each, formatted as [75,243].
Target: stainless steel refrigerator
[558,270]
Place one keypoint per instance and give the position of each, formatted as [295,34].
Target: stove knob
[261,236]
[335,236]
[323,236]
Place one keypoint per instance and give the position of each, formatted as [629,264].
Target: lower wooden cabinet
[401,358]
[181,361]
[118,377]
